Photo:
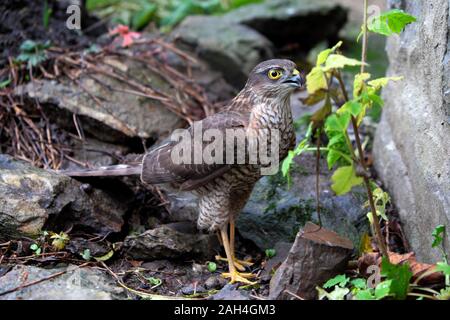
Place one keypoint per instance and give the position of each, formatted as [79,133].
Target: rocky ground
[123,240]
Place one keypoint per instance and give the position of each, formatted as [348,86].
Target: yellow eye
[274,74]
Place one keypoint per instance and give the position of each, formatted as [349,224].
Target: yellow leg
[234,275]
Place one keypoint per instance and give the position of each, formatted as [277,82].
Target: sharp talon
[239,277]
[239,264]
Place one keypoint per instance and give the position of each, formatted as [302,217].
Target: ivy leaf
[338,61]
[400,276]
[344,179]
[340,280]
[438,235]
[353,107]
[382,82]
[315,80]
[390,22]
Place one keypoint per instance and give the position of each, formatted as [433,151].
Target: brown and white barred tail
[116,170]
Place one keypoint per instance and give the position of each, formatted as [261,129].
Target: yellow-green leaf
[315,80]
[323,56]
[338,61]
[344,179]
[358,83]
[381,82]
[105,257]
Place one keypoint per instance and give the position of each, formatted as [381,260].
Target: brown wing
[158,166]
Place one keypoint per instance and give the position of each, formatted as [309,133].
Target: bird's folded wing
[158,165]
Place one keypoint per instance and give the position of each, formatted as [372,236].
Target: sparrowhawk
[224,188]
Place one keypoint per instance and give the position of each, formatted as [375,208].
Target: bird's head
[276,78]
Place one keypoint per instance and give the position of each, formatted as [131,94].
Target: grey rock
[76,284]
[165,243]
[412,145]
[215,282]
[284,21]
[230,292]
[276,212]
[32,198]
[191,289]
[316,256]
[230,48]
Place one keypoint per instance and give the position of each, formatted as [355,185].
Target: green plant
[270,253]
[59,240]
[33,53]
[154,282]
[165,13]
[46,14]
[349,160]
[37,250]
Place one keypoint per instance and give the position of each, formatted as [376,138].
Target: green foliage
[344,179]
[33,53]
[390,22]
[400,276]
[438,235]
[154,282]
[340,280]
[165,13]
[59,240]
[46,13]
[270,253]
[37,250]
[105,257]
[86,255]
[5,83]
[380,199]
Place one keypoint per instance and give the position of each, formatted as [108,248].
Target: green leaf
[143,17]
[382,82]
[315,80]
[270,253]
[5,83]
[86,255]
[443,267]
[400,276]
[154,281]
[444,294]
[34,247]
[28,46]
[353,107]
[105,257]
[340,280]
[359,283]
[382,289]
[212,266]
[344,179]
[438,235]
[337,123]
[338,61]
[323,56]
[390,22]
[337,294]
[365,295]
[287,163]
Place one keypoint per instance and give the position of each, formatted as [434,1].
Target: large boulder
[32,199]
[412,144]
[275,211]
[230,48]
[73,283]
[306,22]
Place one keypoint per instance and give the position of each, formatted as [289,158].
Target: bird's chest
[275,118]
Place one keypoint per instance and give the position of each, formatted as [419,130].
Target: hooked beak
[296,80]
